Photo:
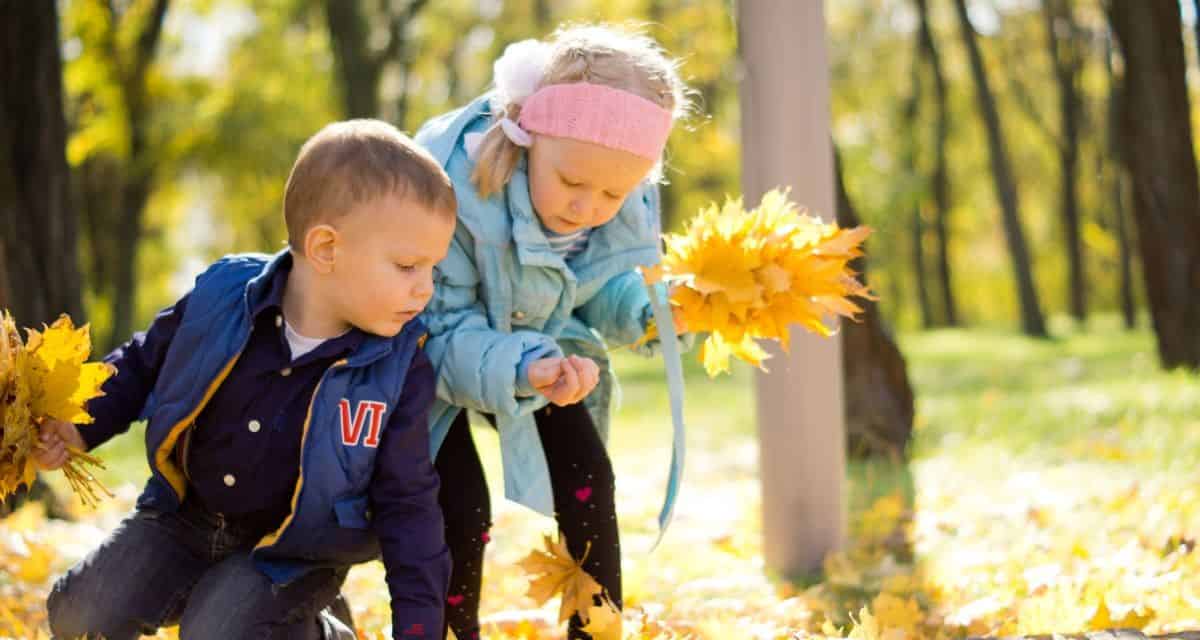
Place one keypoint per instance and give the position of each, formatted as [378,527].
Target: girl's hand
[56,438]
[588,372]
[564,381]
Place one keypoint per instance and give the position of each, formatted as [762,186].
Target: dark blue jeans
[190,568]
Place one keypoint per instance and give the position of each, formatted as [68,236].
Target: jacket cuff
[416,624]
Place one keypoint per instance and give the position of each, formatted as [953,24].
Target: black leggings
[582,477]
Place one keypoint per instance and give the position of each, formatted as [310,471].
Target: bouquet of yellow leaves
[44,378]
[745,275]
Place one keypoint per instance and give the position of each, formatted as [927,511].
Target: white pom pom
[519,71]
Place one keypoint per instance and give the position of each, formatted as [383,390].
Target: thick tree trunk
[1157,134]
[39,269]
[941,181]
[1032,321]
[1066,51]
[878,396]
[39,243]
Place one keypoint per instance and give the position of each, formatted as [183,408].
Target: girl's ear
[320,247]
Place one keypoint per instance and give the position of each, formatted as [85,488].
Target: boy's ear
[320,247]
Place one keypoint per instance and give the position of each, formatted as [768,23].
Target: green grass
[1094,395]
[1083,395]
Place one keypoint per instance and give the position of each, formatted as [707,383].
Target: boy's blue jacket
[503,298]
[330,519]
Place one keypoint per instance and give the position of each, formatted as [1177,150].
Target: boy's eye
[406,267]
[611,196]
[569,183]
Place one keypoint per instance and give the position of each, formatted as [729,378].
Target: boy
[286,399]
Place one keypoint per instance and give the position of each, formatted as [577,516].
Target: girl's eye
[407,267]
[611,196]
[569,183]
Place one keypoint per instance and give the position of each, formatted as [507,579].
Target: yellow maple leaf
[866,627]
[60,380]
[556,571]
[604,621]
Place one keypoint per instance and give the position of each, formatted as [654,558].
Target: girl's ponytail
[497,158]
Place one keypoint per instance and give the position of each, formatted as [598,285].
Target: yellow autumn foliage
[45,377]
[743,275]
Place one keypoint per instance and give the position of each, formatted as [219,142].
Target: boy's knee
[70,616]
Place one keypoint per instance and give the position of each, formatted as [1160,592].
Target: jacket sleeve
[477,366]
[407,518]
[620,310]
[137,362]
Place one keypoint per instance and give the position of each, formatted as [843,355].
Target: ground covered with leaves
[1053,488]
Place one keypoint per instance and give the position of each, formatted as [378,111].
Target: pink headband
[597,113]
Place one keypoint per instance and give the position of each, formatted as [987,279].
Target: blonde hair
[621,58]
[355,161]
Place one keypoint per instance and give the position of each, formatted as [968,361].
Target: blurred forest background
[1010,208]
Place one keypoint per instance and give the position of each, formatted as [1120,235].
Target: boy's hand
[53,443]
[564,381]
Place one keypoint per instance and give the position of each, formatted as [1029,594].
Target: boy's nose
[424,288]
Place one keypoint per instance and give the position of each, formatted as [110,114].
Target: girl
[554,172]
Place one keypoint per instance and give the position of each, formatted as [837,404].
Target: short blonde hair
[618,57]
[355,161]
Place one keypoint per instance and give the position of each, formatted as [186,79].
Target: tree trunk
[138,178]
[39,268]
[912,198]
[358,69]
[1032,321]
[1063,40]
[1117,179]
[39,242]
[941,181]
[1166,194]
[542,17]
[878,396]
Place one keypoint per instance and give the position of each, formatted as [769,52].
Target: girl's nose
[581,207]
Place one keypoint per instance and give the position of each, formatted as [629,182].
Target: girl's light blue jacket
[503,299]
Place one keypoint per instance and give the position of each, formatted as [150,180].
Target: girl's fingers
[589,374]
[581,375]
[569,382]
